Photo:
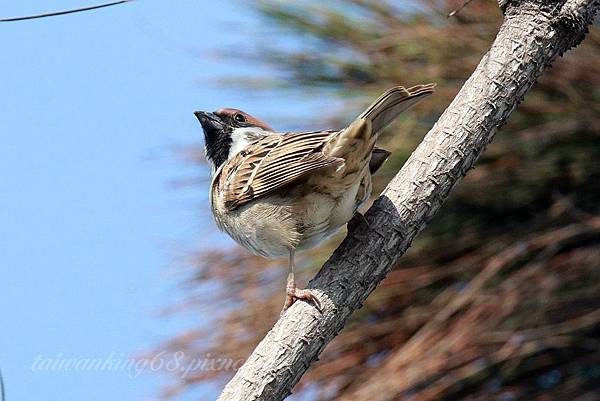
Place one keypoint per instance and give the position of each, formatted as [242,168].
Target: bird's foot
[292,294]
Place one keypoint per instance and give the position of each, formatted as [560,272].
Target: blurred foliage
[499,298]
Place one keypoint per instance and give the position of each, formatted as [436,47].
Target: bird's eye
[239,118]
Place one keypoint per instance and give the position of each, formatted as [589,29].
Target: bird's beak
[211,123]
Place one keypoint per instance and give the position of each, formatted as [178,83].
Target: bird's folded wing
[271,163]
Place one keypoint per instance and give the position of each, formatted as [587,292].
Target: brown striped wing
[271,163]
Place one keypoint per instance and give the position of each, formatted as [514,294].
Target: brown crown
[229,112]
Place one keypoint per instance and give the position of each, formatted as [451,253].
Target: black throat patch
[218,144]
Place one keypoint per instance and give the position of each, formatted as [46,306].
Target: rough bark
[533,34]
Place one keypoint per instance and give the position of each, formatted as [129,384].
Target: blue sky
[91,106]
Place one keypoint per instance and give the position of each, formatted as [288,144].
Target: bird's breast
[266,226]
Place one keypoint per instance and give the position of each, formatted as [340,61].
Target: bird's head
[227,131]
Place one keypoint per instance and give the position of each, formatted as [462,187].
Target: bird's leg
[292,293]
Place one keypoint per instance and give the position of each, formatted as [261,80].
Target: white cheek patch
[241,138]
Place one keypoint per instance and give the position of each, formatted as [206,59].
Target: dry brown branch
[457,10]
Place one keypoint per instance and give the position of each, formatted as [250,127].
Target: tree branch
[531,37]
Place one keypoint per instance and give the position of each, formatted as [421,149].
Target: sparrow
[275,193]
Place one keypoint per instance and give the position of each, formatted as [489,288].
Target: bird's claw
[293,294]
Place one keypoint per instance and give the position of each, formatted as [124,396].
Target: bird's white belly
[264,228]
[272,226]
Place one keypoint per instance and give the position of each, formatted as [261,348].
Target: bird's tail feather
[393,102]
[355,143]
